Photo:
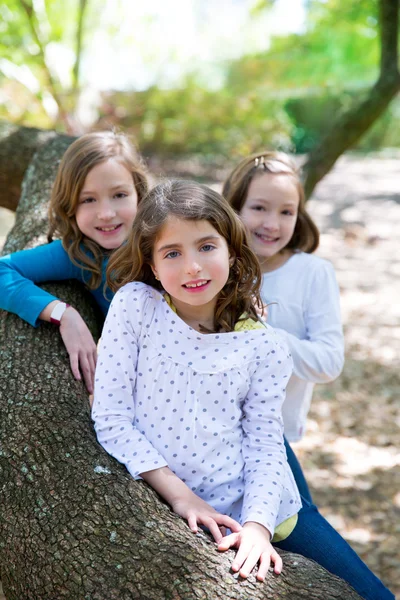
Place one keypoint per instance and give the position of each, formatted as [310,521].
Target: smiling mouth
[196,285]
[108,229]
[266,238]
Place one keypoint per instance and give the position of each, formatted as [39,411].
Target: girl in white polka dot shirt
[189,383]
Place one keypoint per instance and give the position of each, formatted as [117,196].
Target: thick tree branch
[350,126]
[17,147]
[73,523]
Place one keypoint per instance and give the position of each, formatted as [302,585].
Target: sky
[157,41]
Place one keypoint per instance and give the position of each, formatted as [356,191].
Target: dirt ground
[350,452]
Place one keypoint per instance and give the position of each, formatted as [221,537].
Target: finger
[214,529]
[192,522]
[277,560]
[252,559]
[94,355]
[74,363]
[91,398]
[229,541]
[241,555]
[228,522]
[87,373]
[92,366]
[265,561]
[223,531]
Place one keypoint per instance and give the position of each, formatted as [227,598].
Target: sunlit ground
[351,450]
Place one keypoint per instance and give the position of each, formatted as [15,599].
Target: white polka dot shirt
[208,406]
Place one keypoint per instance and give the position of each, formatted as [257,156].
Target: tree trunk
[17,147]
[349,127]
[73,522]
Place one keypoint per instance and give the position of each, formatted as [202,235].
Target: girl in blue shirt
[98,186]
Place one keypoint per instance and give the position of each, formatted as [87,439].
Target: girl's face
[107,204]
[270,214]
[191,260]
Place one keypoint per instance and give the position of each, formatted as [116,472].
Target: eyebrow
[268,201]
[114,187]
[198,241]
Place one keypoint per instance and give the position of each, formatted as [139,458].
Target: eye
[207,248]
[120,195]
[87,200]
[172,254]
[258,207]
[288,212]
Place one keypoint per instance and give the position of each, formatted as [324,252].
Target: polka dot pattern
[206,405]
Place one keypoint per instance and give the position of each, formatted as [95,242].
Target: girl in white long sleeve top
[305,309]
[301,288]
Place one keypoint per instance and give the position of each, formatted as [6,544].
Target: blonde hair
[191,201]
[79,159]
[306,235]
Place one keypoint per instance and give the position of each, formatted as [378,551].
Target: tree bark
[73,523]
[17,147]
[349,127]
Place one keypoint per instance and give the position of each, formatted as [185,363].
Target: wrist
[257,527]
[167,484]
[58,312]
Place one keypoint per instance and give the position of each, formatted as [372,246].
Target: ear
[232,258]
[154,271]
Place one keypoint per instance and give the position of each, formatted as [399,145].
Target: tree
[41,52]
[348,128]
[73,523]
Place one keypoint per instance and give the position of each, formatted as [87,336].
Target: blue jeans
[298,473]
[314,538]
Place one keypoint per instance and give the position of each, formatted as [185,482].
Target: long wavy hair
[191,201]
[82,155]
[306,235]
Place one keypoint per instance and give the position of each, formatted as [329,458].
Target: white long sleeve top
[206,405]
[307,314]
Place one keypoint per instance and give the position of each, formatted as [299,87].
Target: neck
[274,262]
[197,317]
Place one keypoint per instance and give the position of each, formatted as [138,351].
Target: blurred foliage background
[250,90]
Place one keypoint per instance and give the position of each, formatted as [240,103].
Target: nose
[192,267]
[106,211]
[271,222]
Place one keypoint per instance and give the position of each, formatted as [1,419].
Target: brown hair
[306,235]
[82,155]
[191,201]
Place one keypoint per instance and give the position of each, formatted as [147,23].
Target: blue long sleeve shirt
[21,271]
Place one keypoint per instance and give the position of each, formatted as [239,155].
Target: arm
[114,413]
[113,409]
[270,495]
[19,273]
[186,504]
[319,358]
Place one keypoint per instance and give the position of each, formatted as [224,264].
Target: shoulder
[276,340]
[136,298]
[312,269]
[311,261]
[136,291]
[264,343]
